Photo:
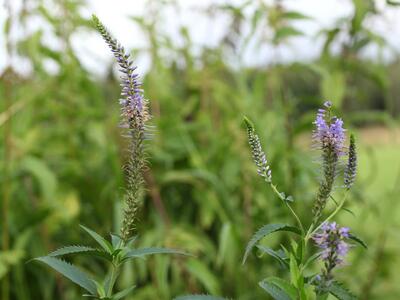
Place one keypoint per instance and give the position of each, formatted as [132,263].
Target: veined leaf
[150,251]
[339,291]
[199,297]
[278,288]
[358,240]
[71,272]
[264,231]
[99,239]
[278,255]
[123,293]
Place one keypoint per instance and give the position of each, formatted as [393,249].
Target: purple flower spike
[332,240]
[329,132]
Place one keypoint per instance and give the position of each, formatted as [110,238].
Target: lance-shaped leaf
[278,289]
[279,255]
[358,240]
[99,239]
[339,291]
[136,253]
[80,249]
[70,250]
[123,293]
[71,272]
[264,231]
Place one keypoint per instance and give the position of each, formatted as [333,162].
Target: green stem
[288,206]
[311,230]
[113,279]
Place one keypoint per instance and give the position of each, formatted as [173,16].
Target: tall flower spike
[134,115]
[329,136]
[351,168]
[259,156]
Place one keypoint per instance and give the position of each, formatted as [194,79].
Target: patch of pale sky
[205,30]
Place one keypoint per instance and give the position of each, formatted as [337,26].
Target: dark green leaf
[358,240]
[71,272]
[278,255]
[264,231]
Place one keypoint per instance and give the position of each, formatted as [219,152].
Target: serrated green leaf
[278,288]
[123,293]
[340,292]
[71,272]
[278,255]
[81,249]
[99,239]
[198,297]
[150,251]
[358,240]
[264,231]
[70,250]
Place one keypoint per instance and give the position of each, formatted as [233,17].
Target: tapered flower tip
[247,122]
[328,104]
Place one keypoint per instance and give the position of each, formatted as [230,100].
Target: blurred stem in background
[7,78]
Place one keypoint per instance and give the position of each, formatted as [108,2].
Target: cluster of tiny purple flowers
[332,240]
[133,103]
[329,132]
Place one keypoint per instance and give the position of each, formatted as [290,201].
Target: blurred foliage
[61,148]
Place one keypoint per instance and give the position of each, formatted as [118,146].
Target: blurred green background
[61,149]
